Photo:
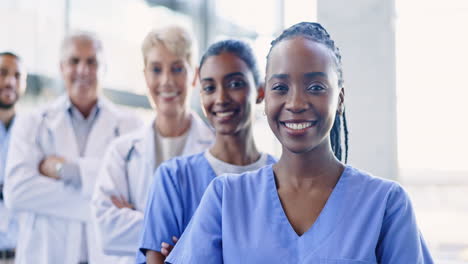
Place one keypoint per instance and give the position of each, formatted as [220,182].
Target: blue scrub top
[174,196]
[4,142]
[8,239]
[241,220]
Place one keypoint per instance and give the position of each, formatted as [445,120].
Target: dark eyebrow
[281,76]
[209,79]
[315,74]
[284,76]
[227,76]
[233,74]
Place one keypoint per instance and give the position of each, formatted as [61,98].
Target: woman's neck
[238,149]
[318,167]
[172,126]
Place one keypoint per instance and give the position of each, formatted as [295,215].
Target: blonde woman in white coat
[120,197]
[54,159]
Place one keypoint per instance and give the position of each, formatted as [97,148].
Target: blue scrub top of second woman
[175,194]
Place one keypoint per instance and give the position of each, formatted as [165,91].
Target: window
[431,88]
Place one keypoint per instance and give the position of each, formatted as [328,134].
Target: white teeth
[81,81]
[167,94]
[224,114]
[298,126]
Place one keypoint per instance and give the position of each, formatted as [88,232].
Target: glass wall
[35,28]
[122,25]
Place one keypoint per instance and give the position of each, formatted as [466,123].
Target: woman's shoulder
[270,159]
[182,167]
[370,184]
[367,177]
[184,162]
[249,180]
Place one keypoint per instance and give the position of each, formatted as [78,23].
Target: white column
[365,33]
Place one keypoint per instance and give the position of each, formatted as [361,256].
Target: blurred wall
[364,30]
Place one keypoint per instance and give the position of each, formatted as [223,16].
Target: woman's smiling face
[168,79]
[302,94]
[226,84]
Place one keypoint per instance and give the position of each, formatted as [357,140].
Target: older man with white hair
[54,160]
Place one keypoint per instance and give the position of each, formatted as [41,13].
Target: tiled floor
[442,214]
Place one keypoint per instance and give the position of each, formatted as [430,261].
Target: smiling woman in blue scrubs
[229,88]
[309,207]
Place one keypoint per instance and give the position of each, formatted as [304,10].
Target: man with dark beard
[12,83]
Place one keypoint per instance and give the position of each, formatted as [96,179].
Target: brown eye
[236,84]
[208,88]
[92,61]
[315,88]
[74,61]
[280,88]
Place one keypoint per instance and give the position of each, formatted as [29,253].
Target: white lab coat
[128,171]
[53,214]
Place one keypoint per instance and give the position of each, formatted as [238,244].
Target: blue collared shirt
[82,127]
[8,225]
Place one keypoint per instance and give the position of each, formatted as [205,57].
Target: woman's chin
[170,110]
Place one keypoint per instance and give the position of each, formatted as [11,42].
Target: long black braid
[315,32]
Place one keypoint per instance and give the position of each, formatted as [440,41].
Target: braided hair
[317,33]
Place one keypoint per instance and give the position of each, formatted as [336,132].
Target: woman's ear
[260,93]
[195,76]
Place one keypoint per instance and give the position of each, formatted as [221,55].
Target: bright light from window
[431,84]
[296,11]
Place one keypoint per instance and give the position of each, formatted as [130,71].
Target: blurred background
[404,70]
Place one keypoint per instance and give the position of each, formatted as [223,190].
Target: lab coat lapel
[143,162]
[146,148]
[104,129]
[62,135]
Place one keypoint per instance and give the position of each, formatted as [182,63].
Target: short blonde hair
[175,38]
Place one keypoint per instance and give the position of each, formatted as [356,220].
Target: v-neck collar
[328,218]
[5,130]
[207,163]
